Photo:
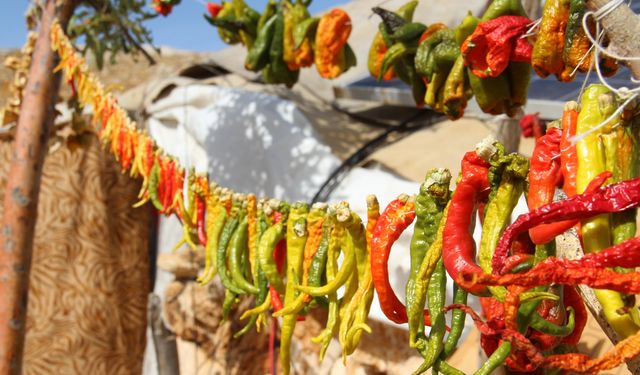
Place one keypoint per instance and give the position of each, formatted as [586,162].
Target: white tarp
[250,142]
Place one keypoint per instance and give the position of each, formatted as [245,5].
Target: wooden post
[23,182]
[622,28]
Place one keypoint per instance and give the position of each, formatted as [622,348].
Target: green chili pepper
[503,7]
[227,304]
[429,207]
[154,179]
[466,27]
[226,23]
[623,224]
[393,55]
[260,298]
[211,249]
[492,94]
[238,247]
[281,72]
[407,10]
[225,238]
[305,30]
[496,359]
[258,55]
[249,19]
[361,302]
[269,11]
[545,326]
[446,369]
[457,321]
[356,236]
[315,224]
[445,55]
[436,292]
[268,242]
[348,58]
[319,262]
[296,238]
[507,176]
[434,88]
[408,32]
[338,232]
[340,278]
[424,50]
[455,90]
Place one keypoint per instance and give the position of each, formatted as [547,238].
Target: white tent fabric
[247,141]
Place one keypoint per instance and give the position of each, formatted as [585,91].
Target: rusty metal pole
[23,183]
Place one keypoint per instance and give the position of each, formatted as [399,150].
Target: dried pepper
[337,237]
[547,57]
[332,54]
[356,235]
[507,174]
[458,246]
[429,207]
[494,43]
[295,56]
[296,238]
[364,295]
[394,220]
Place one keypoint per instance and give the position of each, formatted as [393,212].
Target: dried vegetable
[488,57]
[285,255]
[285,38]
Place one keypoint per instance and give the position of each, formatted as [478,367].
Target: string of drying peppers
[285,38]
[533,316]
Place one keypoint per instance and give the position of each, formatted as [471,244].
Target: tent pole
[21,191]
[622,28]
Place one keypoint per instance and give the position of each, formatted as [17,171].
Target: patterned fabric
[90,270]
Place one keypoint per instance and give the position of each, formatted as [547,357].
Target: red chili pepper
[571,298]
[532,126]
[545,166]
[568,153]
[493,44]
[553,312]
[516,260]
[150,156]
[280,251]
[276,302]
[611,198]
[200,210]
[458,244]
[397,216]
[591,270]
[546,232]
[213,9]
[168,180]
[523,245]
[162,185]
[162,8]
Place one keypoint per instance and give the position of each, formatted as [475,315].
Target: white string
[578,137]
[531,31]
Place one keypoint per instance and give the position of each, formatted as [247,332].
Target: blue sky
[184,28]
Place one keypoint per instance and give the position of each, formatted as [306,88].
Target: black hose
[367,149]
